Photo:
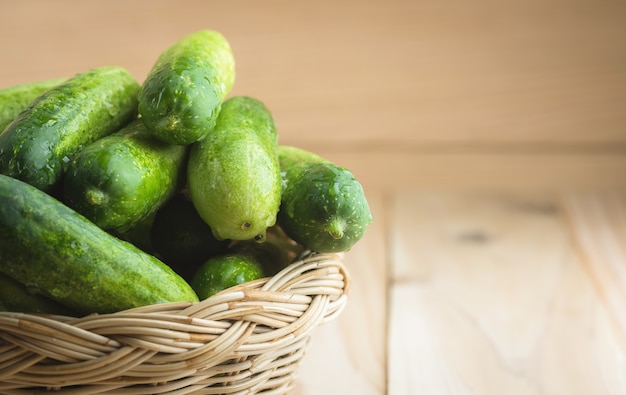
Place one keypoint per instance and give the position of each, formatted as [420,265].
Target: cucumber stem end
[336,226]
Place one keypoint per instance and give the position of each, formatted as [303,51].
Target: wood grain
[518,95]
[481,74]
[397,169]
[598,225]
[489,295]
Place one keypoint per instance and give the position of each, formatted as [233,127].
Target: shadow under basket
[247,339]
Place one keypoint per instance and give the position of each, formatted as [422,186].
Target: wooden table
[491,140]
[482,293]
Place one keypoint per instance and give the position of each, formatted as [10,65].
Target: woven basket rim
[250,337]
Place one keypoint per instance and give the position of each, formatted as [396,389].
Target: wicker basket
[245,340]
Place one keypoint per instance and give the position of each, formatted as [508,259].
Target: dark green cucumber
[14,99]
[234,174]
[14,296]
[139,234]
[119,180]
[57,252]
[37,145]
[323,206]
[272,254]
[224,271]
[244,261]
[181,238]
[182,94]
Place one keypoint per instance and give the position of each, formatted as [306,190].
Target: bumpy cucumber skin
[14,99]
[323,206]
[37,145]
[224,271]
[14,296]
[49,247]
[121,179]
[234,173]
[183,92]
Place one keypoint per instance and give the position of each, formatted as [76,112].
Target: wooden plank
[427,72]
[519,171]
[598,225]
[348,355]
[489,296]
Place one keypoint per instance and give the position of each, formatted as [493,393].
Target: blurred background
[437,93]
[506,291]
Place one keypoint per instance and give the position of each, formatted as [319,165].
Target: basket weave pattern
[245,340]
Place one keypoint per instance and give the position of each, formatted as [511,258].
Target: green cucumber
[323,206]
[234,174]
[224,271]
[14,99]
[139,234]
[183,92]
[55,251]
[181,238]
[272,254]
[244,261]
[37,145]
[16,297]
[119,180]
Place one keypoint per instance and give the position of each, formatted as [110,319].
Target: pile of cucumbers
[115,194]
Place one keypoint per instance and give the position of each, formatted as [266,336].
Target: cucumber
[323,206]
[37,145]
[181,238]
[270,254]
[15,98]
[181,97]
[14,296]
[244,261]
[224,271]
[57,252]
[234,175]
[121,179]
[139,234]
